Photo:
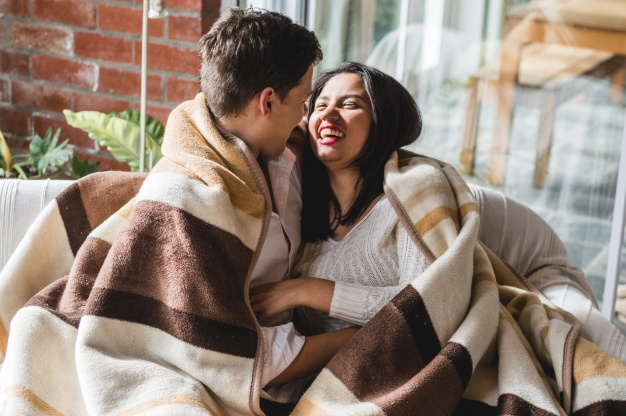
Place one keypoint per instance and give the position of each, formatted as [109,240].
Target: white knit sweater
[370,265]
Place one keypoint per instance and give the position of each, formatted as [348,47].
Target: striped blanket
[129,296]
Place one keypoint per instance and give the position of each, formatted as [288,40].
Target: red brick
[41,37]
[119,81]
[14,121]
[3,31]
[71,12]
[127,20]
[76,136]
[4,91]
[195,5]
[64,71]
[185,28]
[16,7]
[14,63]
[107,161]
[208,20]
[156,112]
[17,141]
[170,58]
[106,48]
[179,90]
[45,97]
[94,102]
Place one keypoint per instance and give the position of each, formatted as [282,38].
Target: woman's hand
[271,299]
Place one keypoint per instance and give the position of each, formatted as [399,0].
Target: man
[260,98]
[147,309]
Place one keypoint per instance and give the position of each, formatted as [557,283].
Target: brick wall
[86,55]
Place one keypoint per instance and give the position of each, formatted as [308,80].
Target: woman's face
[340,122]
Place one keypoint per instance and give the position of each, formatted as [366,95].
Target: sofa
[20,203]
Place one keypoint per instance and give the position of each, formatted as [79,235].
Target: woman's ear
[266,98]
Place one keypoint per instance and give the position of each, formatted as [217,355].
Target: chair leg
[544,141]
[496,165]
[468,145]
[617,86]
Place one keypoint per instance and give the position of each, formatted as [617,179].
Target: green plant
[6,164]
[46,154]
[120,134]
[82,168]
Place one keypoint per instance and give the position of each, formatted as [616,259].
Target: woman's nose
[329,112]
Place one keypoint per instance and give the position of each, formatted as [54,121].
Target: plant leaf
[82,168]
[5,153]
[120,136]
[54,157]
[20,171]
[47,153]
[154,128]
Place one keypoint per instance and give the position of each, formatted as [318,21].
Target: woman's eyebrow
[343,97]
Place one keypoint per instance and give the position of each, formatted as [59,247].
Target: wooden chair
[549,74]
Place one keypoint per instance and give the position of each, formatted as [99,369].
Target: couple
[142,301]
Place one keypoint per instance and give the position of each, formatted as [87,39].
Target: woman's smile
[330,134]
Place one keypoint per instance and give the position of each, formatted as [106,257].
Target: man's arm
[314,355]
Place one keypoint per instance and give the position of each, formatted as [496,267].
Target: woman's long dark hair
[396,122]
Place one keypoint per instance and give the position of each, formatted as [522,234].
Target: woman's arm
[271,299]
[350,302]
[314,355]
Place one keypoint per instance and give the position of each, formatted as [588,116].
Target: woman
[351,138]
[358,255]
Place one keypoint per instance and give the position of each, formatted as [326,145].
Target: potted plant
[46,157]
[120,134]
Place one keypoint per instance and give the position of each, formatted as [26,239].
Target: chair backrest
[20,203]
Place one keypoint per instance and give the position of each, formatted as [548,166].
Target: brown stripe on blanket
[399,364]
[473,407]
[193,329]
[87,203]
[74,216]
[410,304]
[116,188]
[602,408]
[386,355]
[168,255]
[51,299]
[66,297]
[510,404]
[436,389]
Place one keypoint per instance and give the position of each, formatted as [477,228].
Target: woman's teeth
[325,133]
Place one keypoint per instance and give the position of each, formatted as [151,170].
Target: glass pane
[554,64]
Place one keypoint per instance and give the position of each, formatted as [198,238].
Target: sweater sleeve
[357,303]
[526,242]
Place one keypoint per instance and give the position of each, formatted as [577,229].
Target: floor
[578,198]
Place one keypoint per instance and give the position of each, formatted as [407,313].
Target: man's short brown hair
[248,50]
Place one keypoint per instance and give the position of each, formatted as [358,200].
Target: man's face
[286,115]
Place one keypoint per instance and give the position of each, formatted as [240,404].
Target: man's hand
[271,299]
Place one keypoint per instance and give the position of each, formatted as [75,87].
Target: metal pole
[617,236]
[144,89]
[401,51]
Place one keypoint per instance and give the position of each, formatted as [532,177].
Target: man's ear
[266,99]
